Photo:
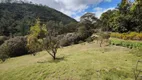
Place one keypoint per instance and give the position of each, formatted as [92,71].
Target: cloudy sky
[76,8]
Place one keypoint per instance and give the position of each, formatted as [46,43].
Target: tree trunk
[101,43]
[54,57]
[54,53]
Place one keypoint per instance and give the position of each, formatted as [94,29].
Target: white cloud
[77,18]
[108,0]
[69,7]
[98,11]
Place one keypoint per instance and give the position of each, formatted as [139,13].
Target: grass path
[77,62]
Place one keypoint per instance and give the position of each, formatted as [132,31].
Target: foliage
[89,40]
[3,39]
[69,28]
[125,43]
[17,18]
[34,44]
[127,36]
[102,37]
[13,47]
[34,39]
[126,17]
[84,31]
[69,39]
[89,19]
[52,39]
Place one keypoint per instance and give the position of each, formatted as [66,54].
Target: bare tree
[102,37]
[52,40]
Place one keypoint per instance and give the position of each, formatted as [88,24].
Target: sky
[76,8]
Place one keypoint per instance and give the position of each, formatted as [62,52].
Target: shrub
[89,40]
[34,44]
[35,38]
[138,37]
[2,39]
[4,52]
[13,47]
[127,36]
[68,39]
[132,35]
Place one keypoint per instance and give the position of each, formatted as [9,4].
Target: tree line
[125,18]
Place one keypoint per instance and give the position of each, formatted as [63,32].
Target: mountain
[18,17]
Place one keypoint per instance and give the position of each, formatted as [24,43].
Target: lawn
[86,61]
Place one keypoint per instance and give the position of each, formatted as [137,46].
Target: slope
[78,62]
[18,17]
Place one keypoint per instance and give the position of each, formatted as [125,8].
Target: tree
[108,20]
[119,20]
[52,39]
[86,25]
[136,11]
[37,32]
[124,6]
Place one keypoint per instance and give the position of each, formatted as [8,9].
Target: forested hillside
[16,18]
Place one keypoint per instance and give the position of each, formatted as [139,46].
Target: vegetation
[126,43]
[34,39]
[3,39]
[102,36]
[127,36]
[52,40]
[27,28]
[126,17]
[16,18]
[77,62]
[13,47]
[137,52]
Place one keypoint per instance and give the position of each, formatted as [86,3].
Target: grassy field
[77,62]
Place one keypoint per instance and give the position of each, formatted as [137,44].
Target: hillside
[78,62]
[18,17]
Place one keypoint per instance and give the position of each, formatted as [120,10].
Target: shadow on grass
[57,60]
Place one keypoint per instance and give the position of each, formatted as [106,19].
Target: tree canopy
[17,17]
[126,17]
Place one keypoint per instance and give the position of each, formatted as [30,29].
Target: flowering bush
[127,36]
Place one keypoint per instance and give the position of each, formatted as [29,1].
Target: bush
[13,47]
[74,38]
[68,39]
[127,36]
[4,52]
[89,40]
[34,44]
[2,39]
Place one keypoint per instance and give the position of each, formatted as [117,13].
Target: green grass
[77,62]
[126,43]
